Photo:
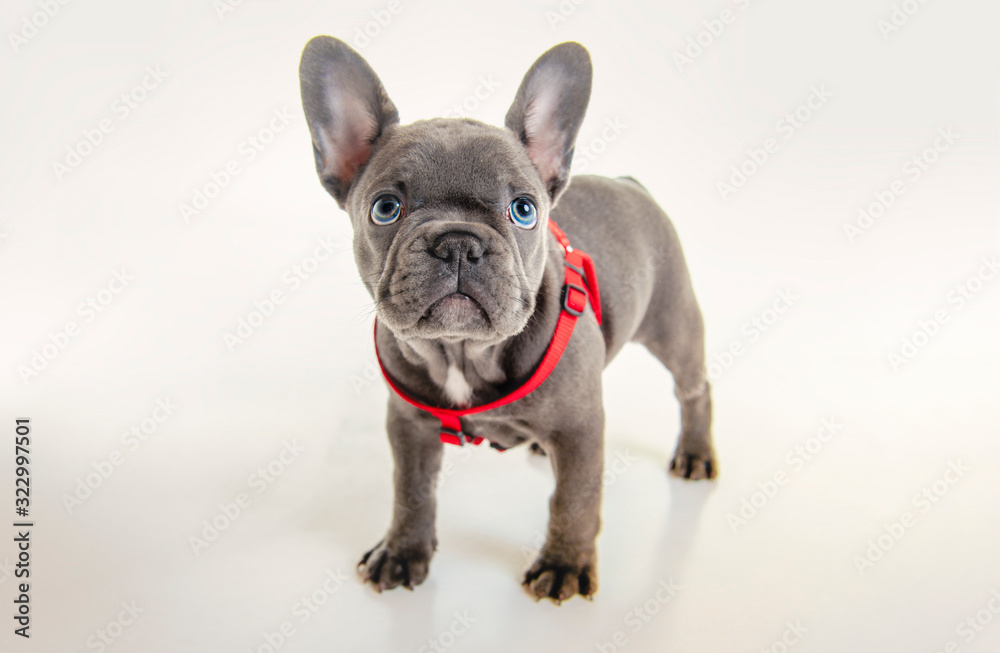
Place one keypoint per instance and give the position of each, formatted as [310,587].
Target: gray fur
[455,179]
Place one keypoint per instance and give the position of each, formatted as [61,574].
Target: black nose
[457,246]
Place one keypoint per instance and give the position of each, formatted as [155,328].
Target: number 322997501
[22,444]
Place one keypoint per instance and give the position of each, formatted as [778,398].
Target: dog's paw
[694,467]
[386,568]
[560,581]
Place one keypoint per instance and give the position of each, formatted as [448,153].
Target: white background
[306,373]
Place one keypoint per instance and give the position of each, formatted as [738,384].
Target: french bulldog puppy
[452,241]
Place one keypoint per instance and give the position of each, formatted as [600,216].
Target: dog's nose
[457,246]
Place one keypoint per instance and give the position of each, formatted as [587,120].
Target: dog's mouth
[456,310]
[469,313]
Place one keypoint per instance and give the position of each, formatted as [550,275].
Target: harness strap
[580,285]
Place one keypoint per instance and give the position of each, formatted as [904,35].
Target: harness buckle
[565,299]
[452,436]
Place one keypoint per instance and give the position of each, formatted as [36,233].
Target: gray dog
[452,239]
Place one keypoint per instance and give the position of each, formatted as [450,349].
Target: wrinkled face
[450,230]
[450,216]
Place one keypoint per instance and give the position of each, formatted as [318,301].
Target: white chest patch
[457,388]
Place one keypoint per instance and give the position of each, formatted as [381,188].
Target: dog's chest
[456,387]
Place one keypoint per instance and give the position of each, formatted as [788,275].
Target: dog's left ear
[548,109]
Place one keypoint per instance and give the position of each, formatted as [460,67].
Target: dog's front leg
[403,556]
[567,563]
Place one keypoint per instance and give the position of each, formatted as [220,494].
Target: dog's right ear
[347,110]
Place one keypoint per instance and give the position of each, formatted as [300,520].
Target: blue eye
[523,213]
[386,210]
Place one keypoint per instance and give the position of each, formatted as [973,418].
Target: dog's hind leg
[678,341]
[695,456]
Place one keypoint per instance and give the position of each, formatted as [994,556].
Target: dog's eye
[523,213]
[386,210]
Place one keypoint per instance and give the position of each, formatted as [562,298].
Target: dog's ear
[347,110]
[548,109]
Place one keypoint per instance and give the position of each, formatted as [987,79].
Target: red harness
[579,285]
